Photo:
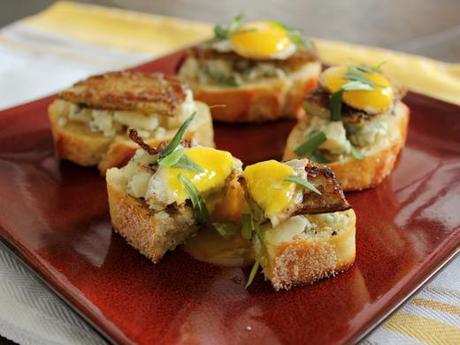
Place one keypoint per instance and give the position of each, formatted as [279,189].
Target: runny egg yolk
[262,40]
[372,101]
[267,186]
[216,165]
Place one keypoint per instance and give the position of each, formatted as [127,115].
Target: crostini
[164,194]
[254,72]
[355,123]
[303,229]
[89,120]
[291,218]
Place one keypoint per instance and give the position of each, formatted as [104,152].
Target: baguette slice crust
[75,142]
[303,261]
[267,100]
[151,233]
[354,174]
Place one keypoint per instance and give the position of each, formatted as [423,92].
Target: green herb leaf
[254,270]
[378,68]
[259,234]
[355,86]
[261,252]
[186,163]
[221,32]
[314,140]
[246,230]
[176,140]
[295,35]
[221,79]
[318,157]
[200,210]
[302,182]
[356,75]
[172,158]
[226,229]
[362,68]
[356,154]
[335,106]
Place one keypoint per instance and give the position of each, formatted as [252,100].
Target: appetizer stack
[89,121]
[260,71]
[167,184]
[355,123]
[294,214]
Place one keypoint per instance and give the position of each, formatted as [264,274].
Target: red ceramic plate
[54,215]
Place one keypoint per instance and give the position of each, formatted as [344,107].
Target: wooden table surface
[429,27]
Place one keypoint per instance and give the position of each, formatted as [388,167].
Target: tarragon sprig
[296,36]
[200,211]
[314,140]
[173,155]
[261,252]
[223,32]
[356,80]
[301,181]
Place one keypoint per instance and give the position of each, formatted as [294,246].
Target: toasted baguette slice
[379,161]
[307,248]
[153,233]
[77,143]
[266,100]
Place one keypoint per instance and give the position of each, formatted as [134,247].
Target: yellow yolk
[217,166]
[373,101]
[267,186]
[262,40]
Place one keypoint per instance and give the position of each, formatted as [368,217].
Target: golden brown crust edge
[77,144]
[128,90]
[151,233]
[258,103]
[352,174]
[305,261]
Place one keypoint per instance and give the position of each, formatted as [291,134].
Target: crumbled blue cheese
[336,138]
[369,133]
[102,121]
[138,184]
[109,122]
[216,71]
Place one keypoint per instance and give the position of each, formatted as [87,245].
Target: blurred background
[428,27]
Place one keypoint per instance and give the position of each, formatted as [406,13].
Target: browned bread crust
[356,174]
[151,233]
[258,102]
[75,142]
[132,91]
[305,261]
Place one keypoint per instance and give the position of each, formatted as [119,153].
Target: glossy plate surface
[54,215]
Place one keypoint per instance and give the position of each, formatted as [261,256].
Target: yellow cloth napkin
[160,35]
[85,39]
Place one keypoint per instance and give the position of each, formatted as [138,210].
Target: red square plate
[54,215]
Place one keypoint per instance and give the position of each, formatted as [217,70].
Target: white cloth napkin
[35,64]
